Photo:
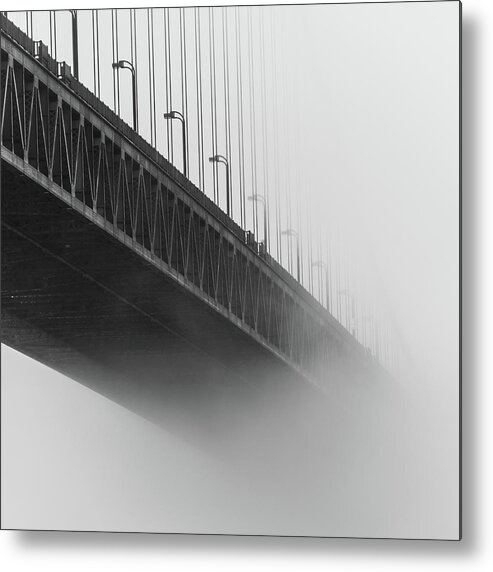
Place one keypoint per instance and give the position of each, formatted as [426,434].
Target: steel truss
[48,131]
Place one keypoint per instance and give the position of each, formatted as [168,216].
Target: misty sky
[361,130]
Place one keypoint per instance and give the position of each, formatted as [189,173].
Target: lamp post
[178,115]
[292,233]
[321,264]
[261,198]
[352,313]
[125,64]
[224,161]
[75,44]
[365,320]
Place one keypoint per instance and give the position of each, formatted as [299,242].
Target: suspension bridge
[131,258]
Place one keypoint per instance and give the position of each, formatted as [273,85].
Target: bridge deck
[109,254]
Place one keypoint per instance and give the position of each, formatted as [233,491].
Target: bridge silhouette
[120,272]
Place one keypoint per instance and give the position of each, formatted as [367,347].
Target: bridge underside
[81,302]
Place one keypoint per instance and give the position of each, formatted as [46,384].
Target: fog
[359,152]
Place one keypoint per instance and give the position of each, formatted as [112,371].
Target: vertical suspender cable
[253,162]
[287,197]
[275,114]
[132,55]
[288,194]
[289,148]
[347,289]
[170,77]
[153,49]
[132,37]
[94,58]
[149,75]
[184,78]
[310,247]
[149,63]
[114,59]
[169,91]
[166,80]
[117,53]
[227,113]
[284,138]
[136,64]
[182,65]
[186,84]
[51,34]
[264,116]
[201,98]
[239,96]
[198,87]
[213,30]
[98,55]
[284,198]
[300,240]
[329,262]
[320,278]
[212,72]
[338,276]
[95,52]
[299,192]
[54,34]
[53,53]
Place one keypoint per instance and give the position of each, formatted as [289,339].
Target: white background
[61,551]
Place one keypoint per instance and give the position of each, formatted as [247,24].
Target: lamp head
[256,197]
[289,232]
[170,115]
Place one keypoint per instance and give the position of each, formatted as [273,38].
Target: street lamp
[292,233]
[125,64]
[367,319]
[321,264]
[261,198]
[224,161]
[178,115]
[75,43]
[352,313]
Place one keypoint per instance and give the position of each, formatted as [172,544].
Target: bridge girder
[72,171]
